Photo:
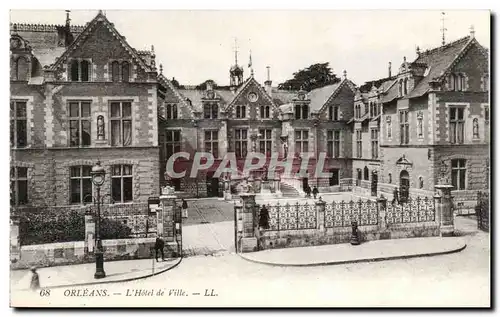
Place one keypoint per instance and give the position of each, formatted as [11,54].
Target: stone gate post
[382,219]
[165,223]
[248,215]
[15,244]
[320,214]
[444,209]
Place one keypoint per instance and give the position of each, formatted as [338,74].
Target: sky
[194,46]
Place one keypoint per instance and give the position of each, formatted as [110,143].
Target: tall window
[358,177]
[336,143]
[301,111]
[404,127]
[374,135]
[359,143]
[241,112]
[18,186]
[487,114]
[21,69]
[405,86]
[121,183]
[457,82]
[120,71]
[301,141]
[334,177]
[121,123]
[172,142]
[475,128]
[240,143]
[458,173]
[329,143]
[81,184]
[457,124]
[18,128]
[265,112]
[357,111]
[389,126]
[79,123]
[333,113]
[80,70]
[265,141]
[366,173]
[171,111]
[485,84]
[400,88]
[211,111]
[212,142]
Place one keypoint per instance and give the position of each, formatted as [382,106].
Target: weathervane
[235,51]
[443,29]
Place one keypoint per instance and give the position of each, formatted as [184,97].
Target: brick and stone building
[81,93]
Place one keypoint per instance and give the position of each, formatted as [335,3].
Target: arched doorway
[404,185]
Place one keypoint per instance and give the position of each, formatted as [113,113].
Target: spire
[472,32]
[67,18]
[161,69]
[250,64]
[345,74]
[418,50]
[443,29]
[235,51]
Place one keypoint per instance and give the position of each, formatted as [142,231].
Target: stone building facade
[80,94]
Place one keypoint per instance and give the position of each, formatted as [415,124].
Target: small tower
[236,71]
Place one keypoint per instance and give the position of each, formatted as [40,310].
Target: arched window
[404,185]
[75,70]
[390,178]
[264,112]
[115,71]
[366,173]
[125,72]
[420,182]
[475,128]
[85,70]
[22,69]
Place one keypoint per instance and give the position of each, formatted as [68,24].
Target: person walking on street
[159,245]
[264,218]
[184,208]
[315,192]
[395,195]
[35,279]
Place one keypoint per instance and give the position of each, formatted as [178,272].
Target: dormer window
[265,112]
[210,111]
[120,71]
[171,111]
[333,113]
[80,70]
[457,82]
[21,67]
[485,83]
[357,111]
[301,111]
[405,86]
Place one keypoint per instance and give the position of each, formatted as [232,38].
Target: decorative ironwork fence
[341,214]
[137,217]
[291,217]
[413,210]
[483,211]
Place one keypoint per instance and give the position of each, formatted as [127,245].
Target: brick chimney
[389,69]
[268,82]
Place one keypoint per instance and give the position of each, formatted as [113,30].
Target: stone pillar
[238,216]
[15,244]
[166,224]
[90,232]
[227,189]
[248,215]
[382,221]
[320,214]
[444,209]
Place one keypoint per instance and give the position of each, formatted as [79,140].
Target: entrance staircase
[289,191]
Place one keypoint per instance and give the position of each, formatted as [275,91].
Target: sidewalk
[346,253]
[83,274]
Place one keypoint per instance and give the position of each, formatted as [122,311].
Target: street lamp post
[98,174]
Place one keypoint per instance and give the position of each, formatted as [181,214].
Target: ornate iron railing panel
[341,214]
[291,217]
[412,211]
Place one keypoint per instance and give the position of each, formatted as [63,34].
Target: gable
[244,97]
[474,65]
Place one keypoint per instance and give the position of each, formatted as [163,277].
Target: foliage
[312,77]
[40,228]
[203,85]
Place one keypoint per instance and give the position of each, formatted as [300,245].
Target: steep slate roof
[87,31]
[320,96]
[438,61]
[390,91]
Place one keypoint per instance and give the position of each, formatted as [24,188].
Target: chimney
[268,82]
[209,85]
[389,69]
[67,18]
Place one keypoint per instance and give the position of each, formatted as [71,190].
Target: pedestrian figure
[184,208]
[35,279]
[315,192]
[307,190]
[159,245]
[395,194]
[264,218]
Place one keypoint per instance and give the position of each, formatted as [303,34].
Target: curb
[116,281]
[397,257]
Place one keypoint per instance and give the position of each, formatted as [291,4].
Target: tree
[312,77]
[203,85]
